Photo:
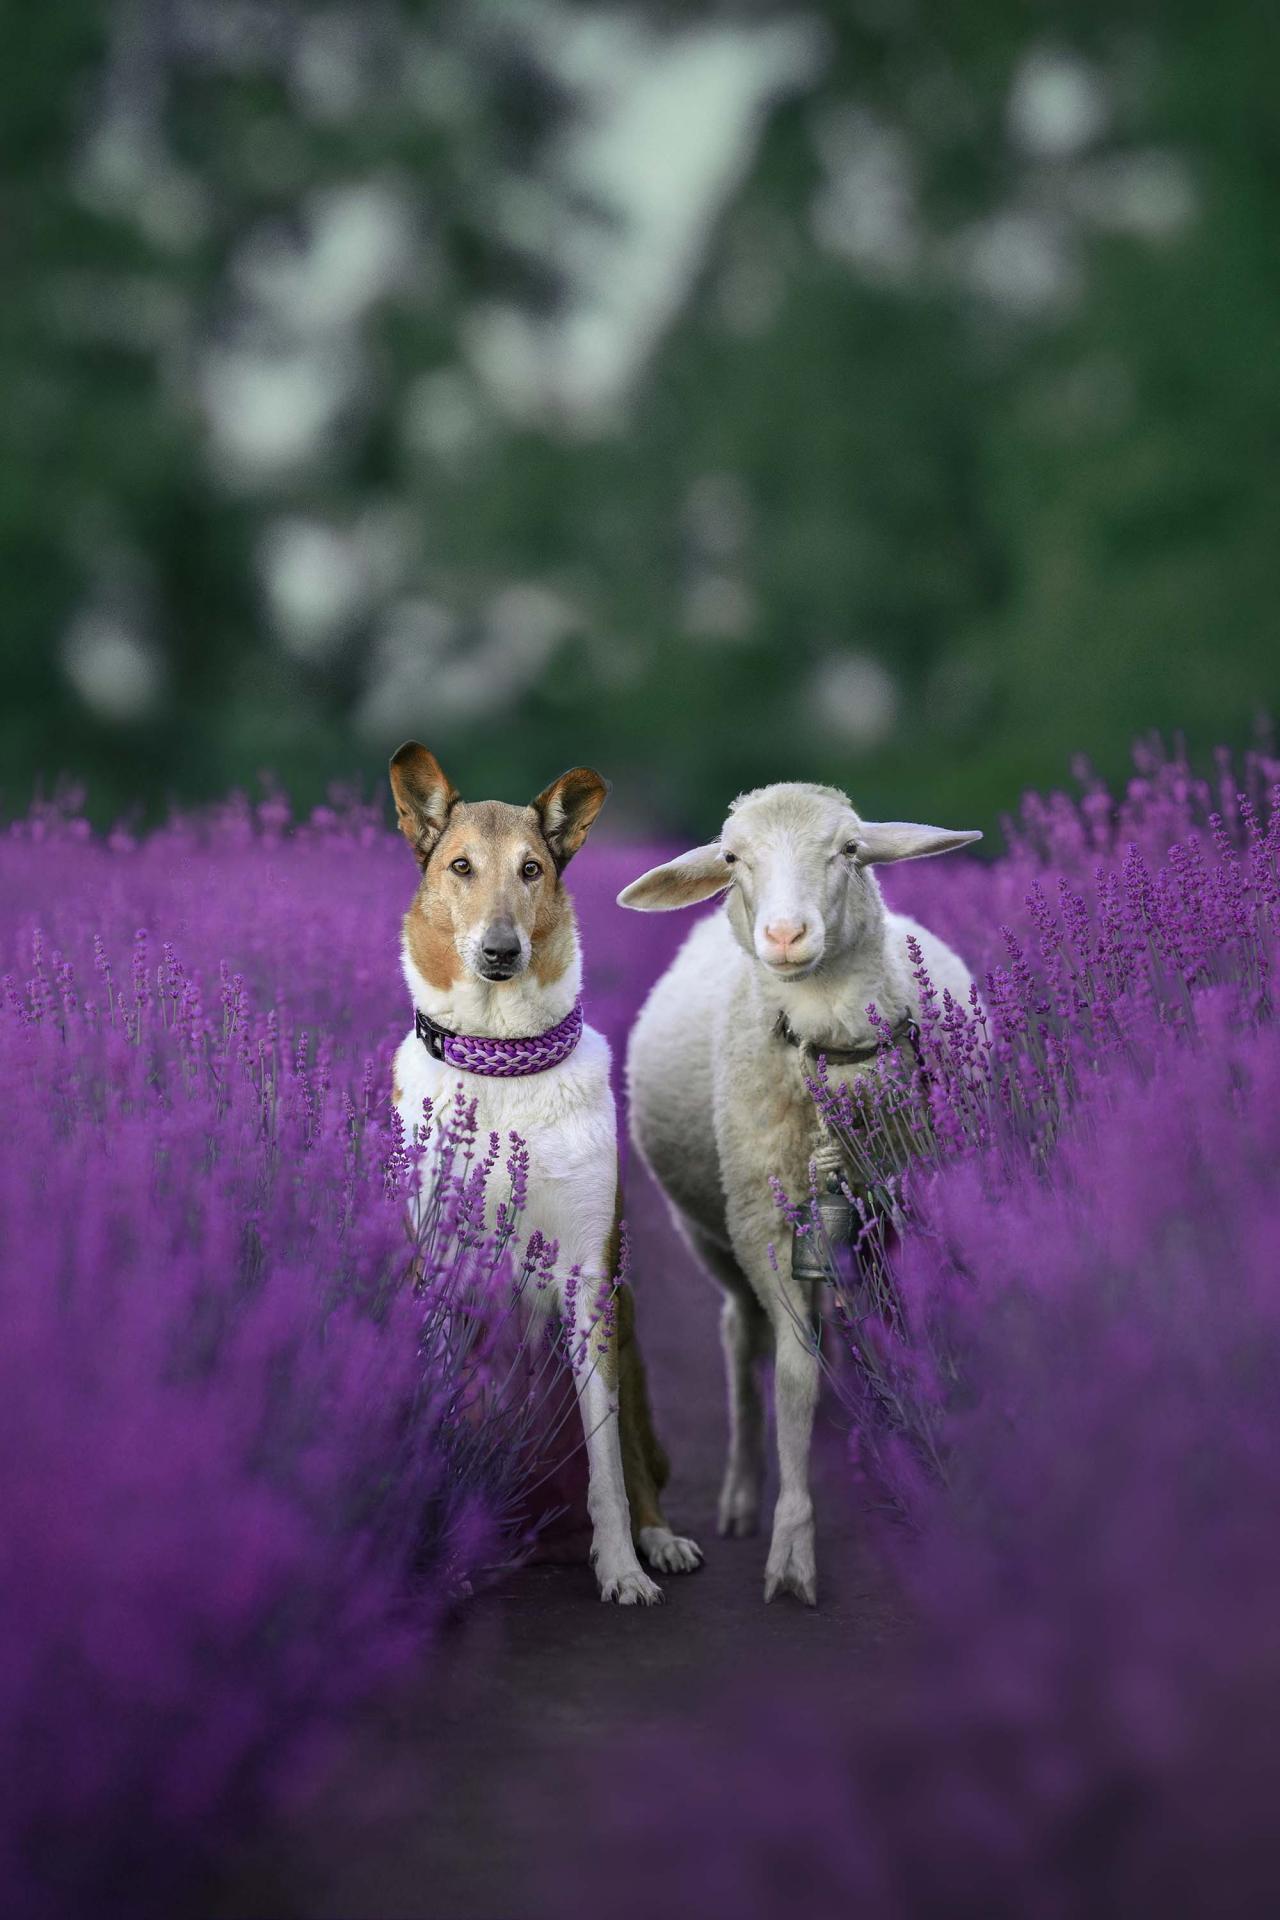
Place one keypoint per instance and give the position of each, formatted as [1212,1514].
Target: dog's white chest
[565,1118]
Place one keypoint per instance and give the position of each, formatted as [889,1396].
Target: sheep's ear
[880,841]
[425,796]
[567,811]
[680,883]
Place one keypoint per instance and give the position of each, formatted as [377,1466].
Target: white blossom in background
[317,581]
[428,664]
[718,607]
[1150,194]
[444,415]
[357,244]
[440,83]
[126,173]
[125,167]
[1057,105]
[269,412]
[852,698]
[670,122]
[115,669]
[865,210]
[524,624]
[1024,260]
[273,397]
[513,357]
[406,656]
[328,69]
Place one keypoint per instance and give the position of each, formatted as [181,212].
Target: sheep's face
[798,892]
[794,861]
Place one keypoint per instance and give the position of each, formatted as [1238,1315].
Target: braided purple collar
[477,1053]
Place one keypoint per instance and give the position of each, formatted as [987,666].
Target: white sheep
[716,1069]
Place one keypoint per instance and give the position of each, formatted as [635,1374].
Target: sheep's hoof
[803,1585]
[792,1567]
[669,1552]
[739,1514]
[630,1587]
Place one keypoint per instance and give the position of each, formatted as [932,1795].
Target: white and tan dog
[491,955]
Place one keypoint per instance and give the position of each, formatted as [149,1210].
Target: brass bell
[809,1249]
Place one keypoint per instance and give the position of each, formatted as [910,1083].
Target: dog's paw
[629,1587]
[792,1567]
[669,1552]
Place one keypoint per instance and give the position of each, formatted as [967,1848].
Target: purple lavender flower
[254,1436]
[1060,1363]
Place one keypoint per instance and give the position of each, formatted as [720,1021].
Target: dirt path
[430,1818]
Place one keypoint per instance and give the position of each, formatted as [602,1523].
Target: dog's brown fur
[645,1466]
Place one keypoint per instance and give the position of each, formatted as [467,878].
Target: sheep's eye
[531,869]
[460,865]
[728,858]
[849,849]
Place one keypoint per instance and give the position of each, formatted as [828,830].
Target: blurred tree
[719,393]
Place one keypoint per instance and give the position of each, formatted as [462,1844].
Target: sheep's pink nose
[784,934]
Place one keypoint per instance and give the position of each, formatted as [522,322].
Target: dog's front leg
[619,1572]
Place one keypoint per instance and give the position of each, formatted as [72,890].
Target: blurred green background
[882,392]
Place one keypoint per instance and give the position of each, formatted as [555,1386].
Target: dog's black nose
[501,945]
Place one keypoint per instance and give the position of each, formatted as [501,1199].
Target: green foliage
[987,402]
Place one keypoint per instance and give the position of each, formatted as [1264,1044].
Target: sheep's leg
[792,1567]
[745,1338]
[744,1333]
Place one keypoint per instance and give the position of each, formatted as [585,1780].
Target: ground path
[430,1816]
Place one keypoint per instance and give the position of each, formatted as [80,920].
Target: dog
[491,955]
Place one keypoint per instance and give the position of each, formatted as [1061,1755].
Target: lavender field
[253,1475]
[248,1462]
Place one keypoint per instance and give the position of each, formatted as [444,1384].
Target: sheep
[716,1070]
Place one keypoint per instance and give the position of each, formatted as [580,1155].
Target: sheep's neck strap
[505,1059]
[905,1029]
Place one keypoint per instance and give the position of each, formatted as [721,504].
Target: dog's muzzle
[501,951]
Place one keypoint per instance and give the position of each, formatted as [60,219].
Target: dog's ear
[682,882]
[567,810]
[425,796]
[882,841]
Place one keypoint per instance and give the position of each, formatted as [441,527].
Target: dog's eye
[849,849]
[531,869]
[460,865]
[729,858]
